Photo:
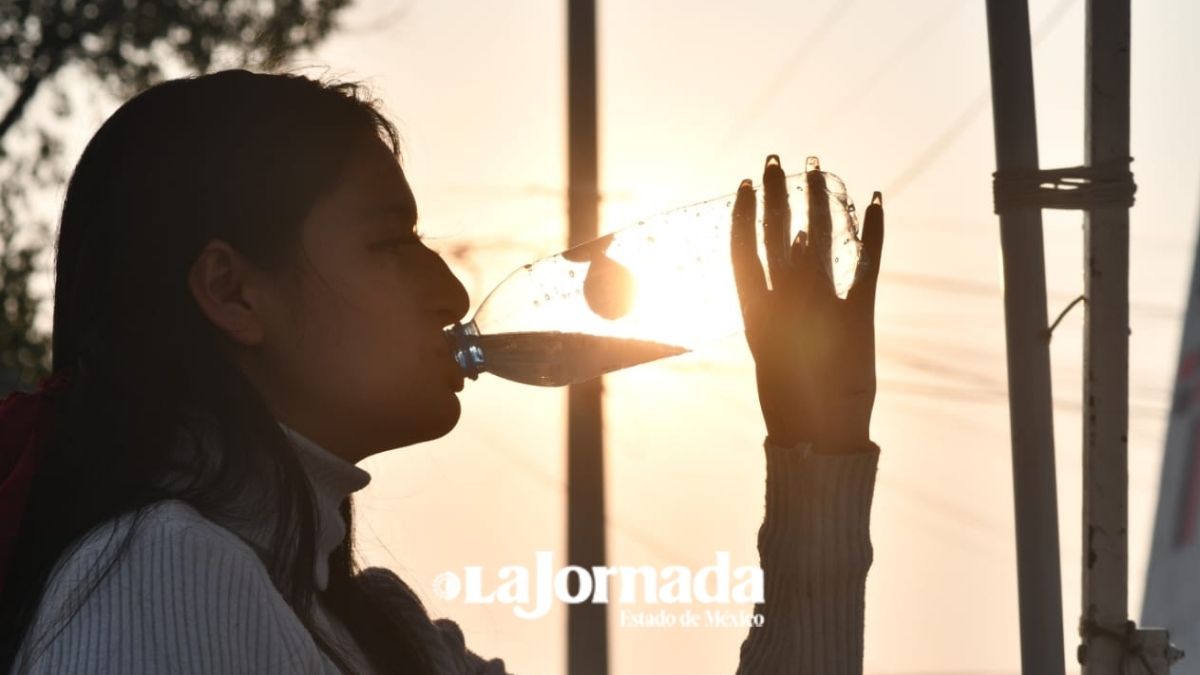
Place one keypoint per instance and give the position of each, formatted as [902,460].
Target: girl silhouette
[243,311]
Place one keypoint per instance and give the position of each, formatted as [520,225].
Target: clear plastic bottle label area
[657,288]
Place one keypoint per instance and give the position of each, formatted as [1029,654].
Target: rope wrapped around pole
[1104,185]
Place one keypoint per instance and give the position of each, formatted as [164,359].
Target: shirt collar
[250,515]
[333,479]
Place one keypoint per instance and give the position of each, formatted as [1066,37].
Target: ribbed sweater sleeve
[186,597]
[814,548]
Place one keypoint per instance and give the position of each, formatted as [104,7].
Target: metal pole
[587,623]
[1031,420]
[1106,351]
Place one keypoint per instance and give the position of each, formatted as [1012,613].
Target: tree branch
[52,48]
[29,87]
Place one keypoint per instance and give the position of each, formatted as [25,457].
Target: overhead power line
[805,49]
[944,141]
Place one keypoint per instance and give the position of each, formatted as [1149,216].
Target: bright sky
[891,96]
[693,96]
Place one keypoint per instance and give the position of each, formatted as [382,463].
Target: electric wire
[935,150]
[806,48]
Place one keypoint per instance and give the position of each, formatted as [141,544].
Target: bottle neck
[467,353]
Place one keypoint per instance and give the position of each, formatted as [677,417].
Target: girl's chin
[441,417]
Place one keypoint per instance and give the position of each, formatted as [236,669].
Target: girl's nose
[450,300]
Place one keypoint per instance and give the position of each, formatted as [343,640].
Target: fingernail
[772,160]
[812,164]
[877,198]
[746,183]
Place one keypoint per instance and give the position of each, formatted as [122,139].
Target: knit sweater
[190,595]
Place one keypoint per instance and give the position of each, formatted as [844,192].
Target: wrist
[784,441]
[822,446]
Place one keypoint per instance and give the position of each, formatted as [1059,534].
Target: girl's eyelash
[396,243]
[417,237]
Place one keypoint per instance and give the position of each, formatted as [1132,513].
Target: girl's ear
[232,292]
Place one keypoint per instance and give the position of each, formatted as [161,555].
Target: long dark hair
[236,156]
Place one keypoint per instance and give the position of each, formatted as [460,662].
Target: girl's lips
[455,379]
[454,374]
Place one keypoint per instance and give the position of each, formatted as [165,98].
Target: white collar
[333,479]
[249,516]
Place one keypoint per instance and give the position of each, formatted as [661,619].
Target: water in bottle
[658,288]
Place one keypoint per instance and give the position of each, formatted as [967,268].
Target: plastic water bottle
[661,287]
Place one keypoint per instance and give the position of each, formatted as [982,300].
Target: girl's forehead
[372,180]
[374,168]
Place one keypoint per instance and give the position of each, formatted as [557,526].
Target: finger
[863,289]
[747,269]
[777,221]
[801,263]
[820,226]
[799,247]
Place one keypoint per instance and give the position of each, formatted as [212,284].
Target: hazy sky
[891,96]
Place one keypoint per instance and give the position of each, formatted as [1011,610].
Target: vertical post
[1031,421]
[1106,349]
[587,623]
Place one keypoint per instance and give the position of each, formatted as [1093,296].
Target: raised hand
[814,352]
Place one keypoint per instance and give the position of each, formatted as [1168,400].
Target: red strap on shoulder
[26,421]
